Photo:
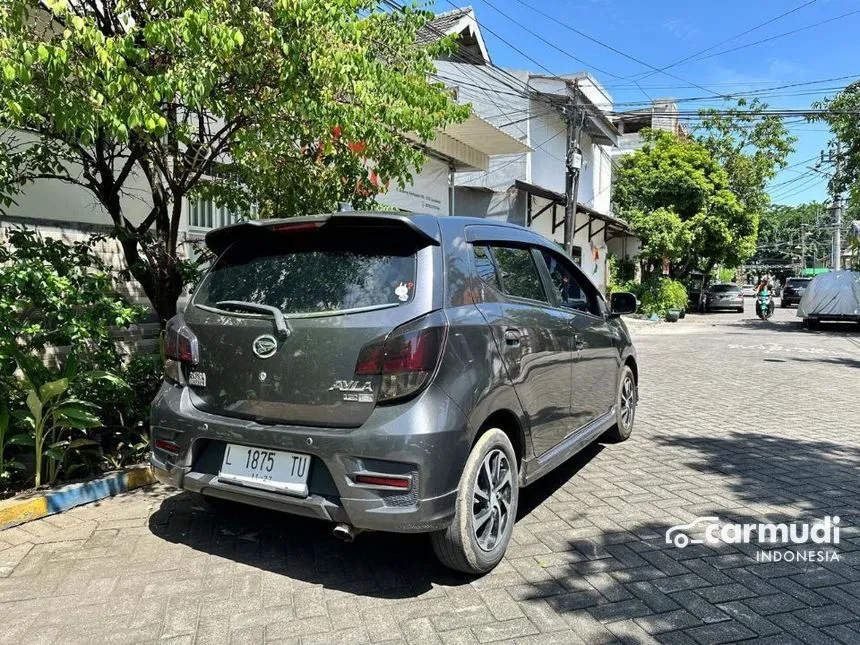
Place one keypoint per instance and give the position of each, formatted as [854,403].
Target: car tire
[474,548]
[626,400]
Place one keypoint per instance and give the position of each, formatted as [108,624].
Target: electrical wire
[782,35]
[596,41]
[547,42]
[727,40]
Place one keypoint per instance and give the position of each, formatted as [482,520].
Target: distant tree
[286,104]
[679,200]
[842,114]
[780,230]
[751,146]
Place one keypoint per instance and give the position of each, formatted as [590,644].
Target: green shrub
[659,294]
[54,294]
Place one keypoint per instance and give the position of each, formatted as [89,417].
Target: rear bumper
[735,304]
[427,437]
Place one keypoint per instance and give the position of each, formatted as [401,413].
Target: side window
[570,290]
[520,277]
[485,267]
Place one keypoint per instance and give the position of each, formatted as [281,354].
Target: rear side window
[316,273]
[485,267]
[519,274]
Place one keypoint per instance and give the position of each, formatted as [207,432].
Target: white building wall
[494,97]
[52,200]
[428,192]
[548,141]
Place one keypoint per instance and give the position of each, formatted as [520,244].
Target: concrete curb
[32,506]
[637,324]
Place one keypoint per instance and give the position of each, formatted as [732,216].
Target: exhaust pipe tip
[345,532]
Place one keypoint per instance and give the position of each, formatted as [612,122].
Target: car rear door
[534,339]
[340,287]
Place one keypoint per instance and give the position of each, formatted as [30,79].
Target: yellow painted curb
[32,506]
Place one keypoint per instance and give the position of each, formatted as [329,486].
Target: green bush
[55,295]
[659,294]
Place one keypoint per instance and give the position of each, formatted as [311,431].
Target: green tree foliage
[843,116]
[282,103]
[751,146]
[780,229]
[679,200]
[56,293]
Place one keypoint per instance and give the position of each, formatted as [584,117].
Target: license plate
[273,470]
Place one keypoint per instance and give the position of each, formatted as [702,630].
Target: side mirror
[622,303]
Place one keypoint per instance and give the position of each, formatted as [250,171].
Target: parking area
[743,420]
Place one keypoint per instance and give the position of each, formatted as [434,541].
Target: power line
[764,91]
[782,35]
[743,33]
[511,45]
[598,42]
[553,45]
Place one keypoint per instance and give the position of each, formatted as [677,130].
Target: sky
[661,33]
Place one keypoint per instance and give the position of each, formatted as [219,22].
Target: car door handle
[578,343]
[512,337]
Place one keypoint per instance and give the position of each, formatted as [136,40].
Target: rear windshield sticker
[402,291]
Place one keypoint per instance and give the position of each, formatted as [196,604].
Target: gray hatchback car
[392,373]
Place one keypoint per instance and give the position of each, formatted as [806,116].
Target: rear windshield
[314,273]
[717,288]
[799,282]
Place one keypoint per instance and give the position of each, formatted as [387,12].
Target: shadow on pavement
[628,584]
[796,326]
[769,469]
[382,565]
[832,360]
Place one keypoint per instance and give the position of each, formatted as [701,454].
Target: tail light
[406,358]
[180,346]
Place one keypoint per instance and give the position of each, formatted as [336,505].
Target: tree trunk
[156,265]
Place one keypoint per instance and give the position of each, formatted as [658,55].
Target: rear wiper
[281,325]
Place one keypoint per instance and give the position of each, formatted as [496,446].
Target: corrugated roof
[440,25]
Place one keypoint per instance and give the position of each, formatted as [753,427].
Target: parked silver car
[724,296]
[392,373]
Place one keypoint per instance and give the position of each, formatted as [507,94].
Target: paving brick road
[739,419]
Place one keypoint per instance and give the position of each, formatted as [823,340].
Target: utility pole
[835,210]
[573,164]
[802,248]
[836,221]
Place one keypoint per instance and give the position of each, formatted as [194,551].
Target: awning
[470,144]
[612,223]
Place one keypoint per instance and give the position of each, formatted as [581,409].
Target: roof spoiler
[423,227]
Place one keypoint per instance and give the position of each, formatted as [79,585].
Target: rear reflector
[378,480]
[167,446]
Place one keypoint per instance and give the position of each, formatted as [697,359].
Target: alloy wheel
[628,401]
[491,501]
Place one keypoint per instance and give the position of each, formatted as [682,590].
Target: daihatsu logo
[265,346]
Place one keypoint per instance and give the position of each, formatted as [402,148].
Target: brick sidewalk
[746,421]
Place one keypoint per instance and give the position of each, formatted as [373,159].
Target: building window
[204,214]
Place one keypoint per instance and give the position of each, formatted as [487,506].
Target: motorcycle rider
[764,289]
